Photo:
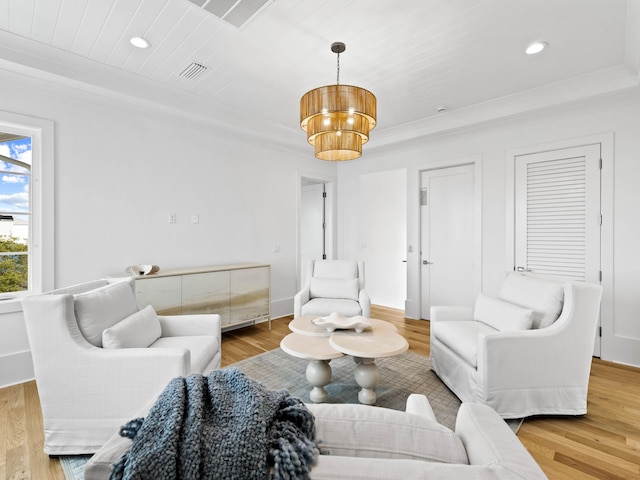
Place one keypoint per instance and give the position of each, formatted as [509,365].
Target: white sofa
[360,442]
[333,286]
[98,359]
[527,352]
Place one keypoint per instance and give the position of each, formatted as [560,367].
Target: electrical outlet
[195,218]
[172,218]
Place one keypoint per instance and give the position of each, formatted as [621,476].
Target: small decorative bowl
[142,269]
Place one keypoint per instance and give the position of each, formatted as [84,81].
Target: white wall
[618,114]
[120,169]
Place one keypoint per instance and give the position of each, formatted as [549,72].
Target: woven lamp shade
[338,119]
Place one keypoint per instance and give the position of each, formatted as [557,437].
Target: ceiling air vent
[235,12]
[193,71]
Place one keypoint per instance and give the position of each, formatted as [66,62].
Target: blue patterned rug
[399,376]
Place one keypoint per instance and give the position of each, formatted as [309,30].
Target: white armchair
[333,286]
[98,359]
[525,353]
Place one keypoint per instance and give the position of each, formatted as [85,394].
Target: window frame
[41,192]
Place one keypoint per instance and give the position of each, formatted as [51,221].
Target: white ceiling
[414,55]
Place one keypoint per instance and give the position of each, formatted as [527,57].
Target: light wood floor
[603,444]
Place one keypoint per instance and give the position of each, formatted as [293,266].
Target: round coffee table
[320,346]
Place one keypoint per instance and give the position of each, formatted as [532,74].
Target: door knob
[427,262]
[522,269]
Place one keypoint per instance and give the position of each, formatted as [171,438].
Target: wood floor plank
[604,444]
[581,454]
[4,426]
[40,464]
[17,449]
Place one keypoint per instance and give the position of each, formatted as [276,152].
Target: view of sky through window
[14,180]
[15,213]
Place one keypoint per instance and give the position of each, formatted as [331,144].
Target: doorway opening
[316,221]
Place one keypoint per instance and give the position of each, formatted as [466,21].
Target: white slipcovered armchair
[333,286]
[98,359]
[525,353]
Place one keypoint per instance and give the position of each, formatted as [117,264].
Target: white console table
[239,293]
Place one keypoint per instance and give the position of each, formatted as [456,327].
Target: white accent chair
[360,442]
[333,286]
[98,359]
[525,353]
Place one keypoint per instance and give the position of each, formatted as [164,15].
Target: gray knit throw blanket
[221,426]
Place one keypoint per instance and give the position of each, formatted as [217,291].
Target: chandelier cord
[338,69]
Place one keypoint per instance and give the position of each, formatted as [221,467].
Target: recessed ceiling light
[536,47]
[140,42]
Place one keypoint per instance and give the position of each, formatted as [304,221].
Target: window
[15,212]
[26,205]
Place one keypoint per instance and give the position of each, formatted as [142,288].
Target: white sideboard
[239,293]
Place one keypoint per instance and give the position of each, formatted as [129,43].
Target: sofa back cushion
[501,315]
[544,297]
[99,309]
[138,330]
[354,430]
[333,288]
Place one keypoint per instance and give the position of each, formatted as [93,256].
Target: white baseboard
[282,307]
[412,309]
[16,368]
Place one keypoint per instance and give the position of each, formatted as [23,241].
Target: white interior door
[447,237]
[557,214]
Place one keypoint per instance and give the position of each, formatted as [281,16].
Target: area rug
[400,376]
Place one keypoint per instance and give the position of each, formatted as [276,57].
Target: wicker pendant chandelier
[338,118]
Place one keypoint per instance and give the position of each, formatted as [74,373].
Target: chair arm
[530,358]
[365,303]
[488,440]
[118,381]
[300,298]
[438,314]
[182,325]
[418,404]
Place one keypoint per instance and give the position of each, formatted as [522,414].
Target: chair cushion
[202,348]
[501,315]
[136,331]
[335,269]
[544,297]
[327,306]
[99,309]
[333,288]
[354,430]
[461,336]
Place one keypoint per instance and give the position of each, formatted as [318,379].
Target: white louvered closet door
[557,213]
